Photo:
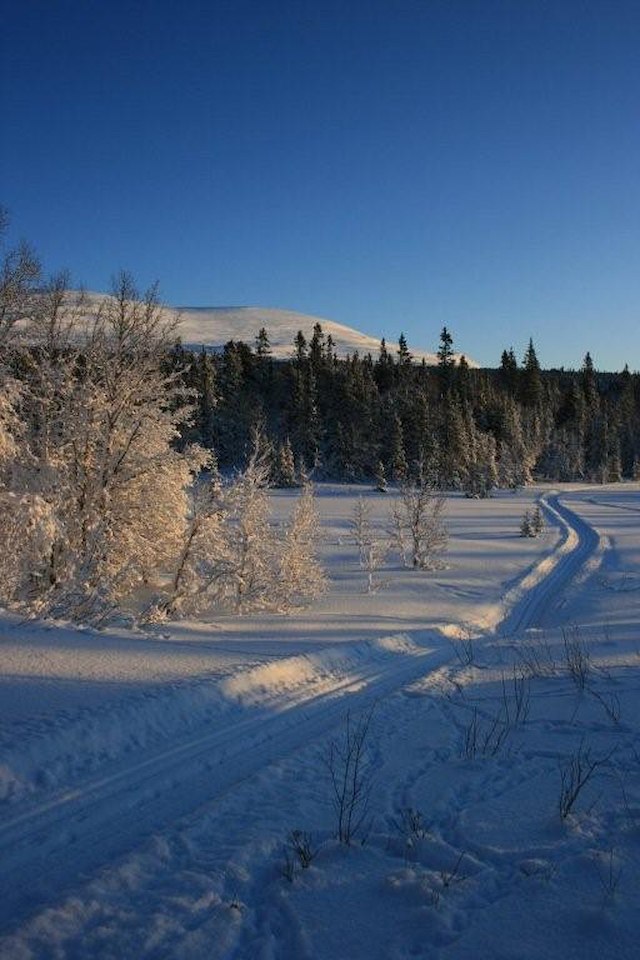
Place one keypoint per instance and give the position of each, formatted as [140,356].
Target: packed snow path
[51,846]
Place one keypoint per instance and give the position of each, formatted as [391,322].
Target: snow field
[73,700]
[466,854]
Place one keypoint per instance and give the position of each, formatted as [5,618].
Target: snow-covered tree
[417,528]
[399,466]
[300,575]
[380,478]
[100,417]
[19,274]
[235,558]
[286,466]
[526,528]
[537,521]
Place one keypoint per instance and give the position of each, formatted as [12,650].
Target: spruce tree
[404,356]
[531,379]
[286,467]
[263,346]
[399,466]
[537,521]
[446,362]
[380,478]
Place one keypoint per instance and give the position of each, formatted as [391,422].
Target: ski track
[56,844]
[578,544]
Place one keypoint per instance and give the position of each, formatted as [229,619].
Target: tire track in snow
[48,849]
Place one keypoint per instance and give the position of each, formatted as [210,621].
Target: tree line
[388,418]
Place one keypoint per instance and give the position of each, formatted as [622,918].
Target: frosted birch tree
[235,558]
[301,577]
[417,527]
[100,415]
[372,549]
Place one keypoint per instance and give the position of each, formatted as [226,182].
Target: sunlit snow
[151,779]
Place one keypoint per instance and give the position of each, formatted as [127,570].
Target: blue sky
[395,166]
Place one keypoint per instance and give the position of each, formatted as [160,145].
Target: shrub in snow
[575,773]
[303,846]
[464,646]
[350,778]
[577,657]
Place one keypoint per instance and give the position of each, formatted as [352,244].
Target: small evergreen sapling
[526,529]
[380,478]
[286,466]
[532,523]
[537,521]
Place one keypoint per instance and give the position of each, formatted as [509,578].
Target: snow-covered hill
[212,327]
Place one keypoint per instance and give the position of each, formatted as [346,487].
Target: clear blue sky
[396,165]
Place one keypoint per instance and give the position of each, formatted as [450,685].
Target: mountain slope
[214,326]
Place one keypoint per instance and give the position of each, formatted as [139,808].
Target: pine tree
[300,348]
[317,348]
[207,399]
[509,370]
[588,377]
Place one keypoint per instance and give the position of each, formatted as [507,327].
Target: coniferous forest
[388,418]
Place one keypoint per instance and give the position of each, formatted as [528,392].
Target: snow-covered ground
[151,780]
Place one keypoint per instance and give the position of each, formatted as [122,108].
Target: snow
[151,779]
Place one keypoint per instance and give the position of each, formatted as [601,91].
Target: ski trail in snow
[50,847]
[46,849]
[530,600]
